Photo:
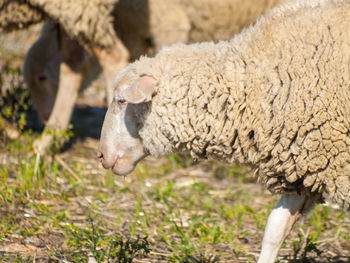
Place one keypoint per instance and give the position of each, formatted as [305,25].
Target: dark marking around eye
[121,101]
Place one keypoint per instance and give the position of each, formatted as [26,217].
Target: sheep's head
[43,86]
[41,70]
[120,145]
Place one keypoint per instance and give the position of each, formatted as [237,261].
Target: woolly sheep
[275,97]
[41,70]
[85,23]
[145,26]
[19,14]
[88,21]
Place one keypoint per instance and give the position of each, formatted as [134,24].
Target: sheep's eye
[121,101]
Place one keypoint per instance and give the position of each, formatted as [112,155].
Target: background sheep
[78,19]
[144,26]
[276,97]
[87,22]
[83,23]
[41,70]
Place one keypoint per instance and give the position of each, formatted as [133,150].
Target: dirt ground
[66,208]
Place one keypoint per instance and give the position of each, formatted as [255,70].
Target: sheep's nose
[100,156]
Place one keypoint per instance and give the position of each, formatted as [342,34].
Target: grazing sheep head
[41,70]
[43,87]
[120,145]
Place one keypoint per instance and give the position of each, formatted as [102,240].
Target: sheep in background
[88,21]
[143,25]
[84,28]
[276,97]
[18,14]
[41,70]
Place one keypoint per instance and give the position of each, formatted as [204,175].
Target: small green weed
[104,248]
[59,138]
[302,247]
[14,99]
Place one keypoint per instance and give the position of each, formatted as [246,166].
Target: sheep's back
[213,20]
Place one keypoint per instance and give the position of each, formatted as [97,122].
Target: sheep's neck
[206,106]
[225,127]
[220,122]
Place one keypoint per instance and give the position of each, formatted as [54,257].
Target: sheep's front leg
[111,60]
[279,224]
[70,78]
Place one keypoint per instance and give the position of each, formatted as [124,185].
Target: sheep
[145,26]
[17,15]
[88,21]
[41,70]
[85,28]
[275,98]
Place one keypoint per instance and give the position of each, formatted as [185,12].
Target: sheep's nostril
[100,156]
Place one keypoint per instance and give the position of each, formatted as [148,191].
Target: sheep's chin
[123,166]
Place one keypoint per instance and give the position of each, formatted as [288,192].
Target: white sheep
[141,24]
[88,21]
[85,23]
[276,97]
[41,70]
[145,26]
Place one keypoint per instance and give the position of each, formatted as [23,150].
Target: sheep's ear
[141,91]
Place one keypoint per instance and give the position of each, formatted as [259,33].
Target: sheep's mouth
[123,166]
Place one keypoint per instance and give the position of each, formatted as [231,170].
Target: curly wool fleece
[88,21]
[276,97]
[143,25]
[18,14]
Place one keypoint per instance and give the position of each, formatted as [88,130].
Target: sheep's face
[120,145]
[41,70]
[43,87]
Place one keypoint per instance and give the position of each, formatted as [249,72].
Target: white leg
[279,224]
[70,78]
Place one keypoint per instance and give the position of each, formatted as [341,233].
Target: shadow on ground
[86,121]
